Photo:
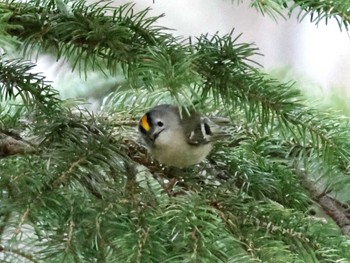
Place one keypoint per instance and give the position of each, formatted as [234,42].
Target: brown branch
[21,222]
[12,146]
[131,183]
[335,209]
[70,231]
[63,178]
[144,235]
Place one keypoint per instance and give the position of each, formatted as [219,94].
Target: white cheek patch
[190,138]
[191,135]
[166,137]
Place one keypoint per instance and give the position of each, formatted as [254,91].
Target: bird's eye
[160,124]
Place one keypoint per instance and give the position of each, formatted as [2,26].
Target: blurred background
[315,56]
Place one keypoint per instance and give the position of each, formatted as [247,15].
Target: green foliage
[87,191]
[18,81]
[85,34]
[325,10]
[318,11]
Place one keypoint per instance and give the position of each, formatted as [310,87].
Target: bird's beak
[155,134]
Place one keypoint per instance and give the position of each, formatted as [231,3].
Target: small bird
[179,139]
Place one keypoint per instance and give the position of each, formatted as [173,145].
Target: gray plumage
[178,138]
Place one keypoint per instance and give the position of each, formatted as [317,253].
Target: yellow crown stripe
[144,123]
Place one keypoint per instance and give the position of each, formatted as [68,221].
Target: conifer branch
[23,218]
[11,144]
[91,181]
[4,222]
[324,10]
[143,237]
[86,32]
[17,80]
[194,237]
[64,176]
[22,254]
[338,211]
[70,232]
[273,8]
[318,10]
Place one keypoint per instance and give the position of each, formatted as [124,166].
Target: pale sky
[320,53]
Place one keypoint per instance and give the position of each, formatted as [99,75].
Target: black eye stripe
[141,129]
[207,129]
[149,120]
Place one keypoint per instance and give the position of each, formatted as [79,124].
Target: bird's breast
[171,148]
